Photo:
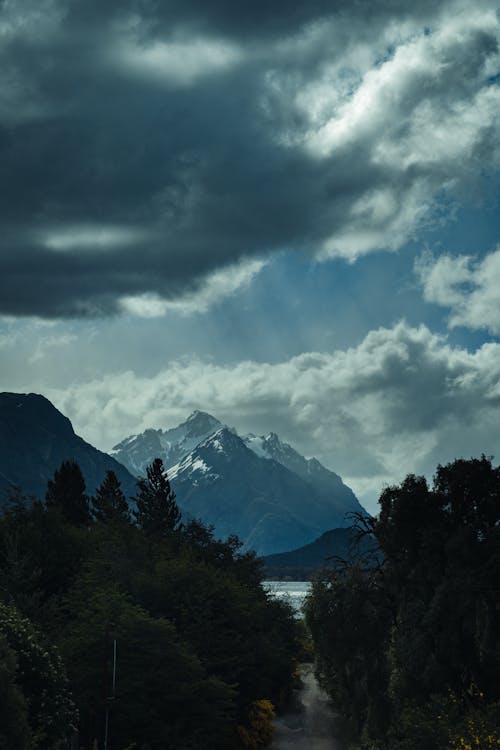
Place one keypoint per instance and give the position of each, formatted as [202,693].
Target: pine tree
[109,504]
[157,511]
[66,492]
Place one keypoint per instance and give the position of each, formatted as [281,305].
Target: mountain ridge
[259,488]
[284,499]
[327,551]
[136,451]
[35,438]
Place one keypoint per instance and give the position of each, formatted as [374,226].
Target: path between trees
[313,725]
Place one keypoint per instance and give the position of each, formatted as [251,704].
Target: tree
[412,647]
[163,698]
[15,732]
[66,493]
[41,678]
[349,618]
[109,503]
[157,513]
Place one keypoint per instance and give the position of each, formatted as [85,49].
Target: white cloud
[181,62]
[401,401]
[468,286]
[91,237]
[214,288]
[422,120]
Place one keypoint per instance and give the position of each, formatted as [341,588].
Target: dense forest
[409,648]
[133,631]
[130,629]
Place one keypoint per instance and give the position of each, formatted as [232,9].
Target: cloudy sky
[282,213]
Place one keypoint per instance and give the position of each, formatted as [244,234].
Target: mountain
[137,451]
[34,440]
[324,481]
[271,508]
[326,551]
[257,487]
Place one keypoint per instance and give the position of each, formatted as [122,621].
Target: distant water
[294,592]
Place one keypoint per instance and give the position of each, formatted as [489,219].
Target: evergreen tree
[157,511]
[109,504]
[66,493]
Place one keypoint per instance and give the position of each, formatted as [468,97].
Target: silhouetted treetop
[66,493]
[157,513]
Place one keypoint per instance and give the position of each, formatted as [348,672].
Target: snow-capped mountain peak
[270,446]
[257,486]
[171,445]
[219,448]
[199,423]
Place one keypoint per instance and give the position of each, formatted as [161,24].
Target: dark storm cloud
[145,145]
[259,19]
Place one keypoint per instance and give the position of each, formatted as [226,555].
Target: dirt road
[313,727]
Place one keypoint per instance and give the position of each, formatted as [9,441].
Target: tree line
[132,629]
[408,647]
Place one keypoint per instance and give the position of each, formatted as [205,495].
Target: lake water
[294,592]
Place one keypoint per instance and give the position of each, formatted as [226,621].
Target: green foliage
[259,729]
[157,513]
[348,620]
[444,722]
[15,732]
[241,636]
[40,554]
[158,675]
[41,678]
[66,493]
[423,623]
[109,504]
[200,645]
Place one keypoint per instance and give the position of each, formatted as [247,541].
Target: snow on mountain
[257,487]
[257,445]
[270,507]
[137,451]
[227,485]
[310,470]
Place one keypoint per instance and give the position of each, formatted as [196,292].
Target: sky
[285,214]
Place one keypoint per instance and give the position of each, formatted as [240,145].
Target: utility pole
[109,699]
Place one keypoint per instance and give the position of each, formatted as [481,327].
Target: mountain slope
[173,445]
[34,440]
[271,508]
[302,563]
[324,481]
